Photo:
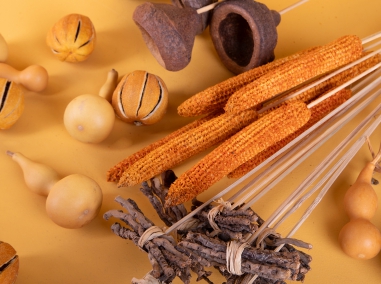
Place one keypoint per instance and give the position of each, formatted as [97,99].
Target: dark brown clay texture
[244,34]
[169,32]
[196,4]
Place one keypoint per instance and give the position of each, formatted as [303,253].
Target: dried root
[206,244]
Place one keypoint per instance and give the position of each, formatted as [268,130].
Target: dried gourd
[72,38]
[11,103]
[9,264]
[140,98]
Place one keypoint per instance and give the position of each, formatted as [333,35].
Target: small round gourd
[74,201]
[72,38]
[11,103]
[140,98]
[90,118]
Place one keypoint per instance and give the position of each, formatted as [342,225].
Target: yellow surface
[50,254]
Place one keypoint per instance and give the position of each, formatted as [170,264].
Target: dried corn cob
[330,83]
[114,174]
[215,97]
[238,149]
[317,113]
[293,73]
[186,145]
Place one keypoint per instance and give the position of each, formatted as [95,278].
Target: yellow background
[93,254]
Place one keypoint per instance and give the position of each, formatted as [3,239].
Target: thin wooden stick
[283,162]
[329,178]
[371,46]
[285,10]
[291,157]
[342,86]
[371,37]
[342,69]
[337,170]
[289,8]
[311,178]
[302,153]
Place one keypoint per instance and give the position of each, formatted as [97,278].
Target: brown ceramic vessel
[244,34]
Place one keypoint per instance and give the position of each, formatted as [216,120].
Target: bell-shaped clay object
[244,34]
[169,32]
[196,4]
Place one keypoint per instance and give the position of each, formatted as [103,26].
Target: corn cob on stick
[238,149]
[186,145]
[215,97]
[317,113]
[114,174]
[293,73]
[335,81]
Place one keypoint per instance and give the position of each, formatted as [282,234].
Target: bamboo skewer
[318,170]
[291,144]
[285,98]
[298,154]
[285,10]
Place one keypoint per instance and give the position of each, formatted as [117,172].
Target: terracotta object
[169,32]
[244,34]
[9,264]
[196,4]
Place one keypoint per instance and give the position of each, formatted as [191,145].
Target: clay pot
[169,31]
[244,34]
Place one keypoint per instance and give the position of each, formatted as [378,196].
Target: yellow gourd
[359,238]
[360,200]
[140,98]
[72,201]
[90,118]
[11,103]
[72,38]
[34,78]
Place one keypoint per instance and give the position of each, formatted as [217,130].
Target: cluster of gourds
[75,200]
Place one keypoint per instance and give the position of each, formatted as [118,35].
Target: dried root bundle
[201,246]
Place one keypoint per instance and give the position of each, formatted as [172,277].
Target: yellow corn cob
[293,73]
[238,149]
[317,113]
[114,174]
[332,82]
[186,145]
[215,97]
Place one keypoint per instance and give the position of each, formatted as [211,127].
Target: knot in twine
[188,224]
[234,257]
[215,211]
[149,234]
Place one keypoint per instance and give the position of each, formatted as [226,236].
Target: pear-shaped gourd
[38,177]
[72,201]
[90,118]
[34,77]
[360,200]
